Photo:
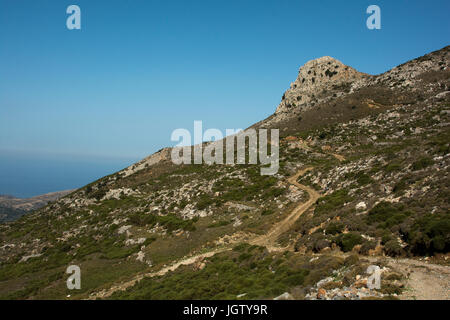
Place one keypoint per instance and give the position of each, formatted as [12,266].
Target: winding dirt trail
[268,240]
[127,284]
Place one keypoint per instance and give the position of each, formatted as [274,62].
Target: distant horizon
[13,197]
[25,177]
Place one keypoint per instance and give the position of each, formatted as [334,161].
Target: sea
[25,175]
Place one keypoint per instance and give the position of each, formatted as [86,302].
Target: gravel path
[426,281]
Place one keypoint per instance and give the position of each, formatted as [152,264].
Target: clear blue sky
[138,69]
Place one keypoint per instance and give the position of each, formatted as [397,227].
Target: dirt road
[269,240]
[127,284]
[426,281]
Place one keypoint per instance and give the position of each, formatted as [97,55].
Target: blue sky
[137,70]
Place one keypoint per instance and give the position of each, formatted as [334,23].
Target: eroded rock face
[315,76]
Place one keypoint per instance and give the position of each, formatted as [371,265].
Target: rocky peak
[315,78]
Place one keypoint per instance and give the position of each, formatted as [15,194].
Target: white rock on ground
[361,206]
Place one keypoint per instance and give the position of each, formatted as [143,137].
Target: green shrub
[348,240]
[390,289]
[98,194]
[429,234]
[351,260]
[386,237]
[393,166]
[172,222]
[241,247]
[386,214]
[320,244]
[332,201]
[219,224]
[117,252]
[149,240]
[367,246]
[273,193]
[363,179]
[244,256]
[334,228]
[296,279]
[141,219]
[182,204]
[422,163]
[392,248]
[267,212]
[204,201]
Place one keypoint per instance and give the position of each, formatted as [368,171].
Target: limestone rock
[284,296]
[316,76]
[361,206]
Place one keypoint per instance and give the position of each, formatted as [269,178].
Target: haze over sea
[26,175]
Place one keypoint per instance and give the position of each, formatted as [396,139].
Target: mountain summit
[316,76]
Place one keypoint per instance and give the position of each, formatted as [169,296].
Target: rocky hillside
[316,79]
[363,179]
[12,208]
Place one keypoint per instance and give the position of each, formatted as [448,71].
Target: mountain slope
[379,151]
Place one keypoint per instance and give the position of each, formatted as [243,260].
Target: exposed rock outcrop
[325,74]
[161,155]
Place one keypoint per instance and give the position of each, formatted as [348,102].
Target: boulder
[321,293]
[361,206]
[284,296]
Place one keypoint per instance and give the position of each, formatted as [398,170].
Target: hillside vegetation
[379,151]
